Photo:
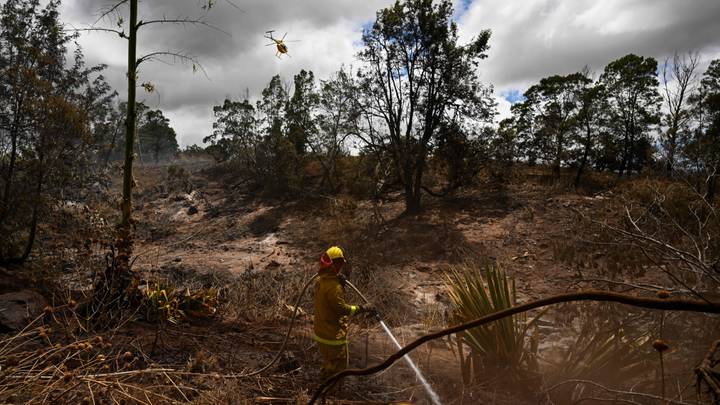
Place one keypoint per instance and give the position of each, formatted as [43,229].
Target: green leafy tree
[277,159]
[552,105]
[338,112]
[235,132]
[157,136]
[703,148]
[632,107]
[299,111]
[529,138]
[588,122]
[416,76]
[461,153]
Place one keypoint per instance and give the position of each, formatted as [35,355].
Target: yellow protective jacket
[331,310]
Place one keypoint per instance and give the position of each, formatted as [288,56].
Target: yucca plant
[505,343]
[601,352]
[164,303]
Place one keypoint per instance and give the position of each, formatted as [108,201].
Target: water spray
[434,398]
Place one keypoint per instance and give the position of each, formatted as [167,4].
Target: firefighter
[332,313]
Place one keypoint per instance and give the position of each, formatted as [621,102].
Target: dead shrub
[264,295]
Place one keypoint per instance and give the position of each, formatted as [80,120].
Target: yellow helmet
[335,253]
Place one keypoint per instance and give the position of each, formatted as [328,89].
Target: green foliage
[633,103]
[601,352]
[299,109]
[156,136]
[235,133]
[549,116]
[415,77]
[703,149]
[338,113]
[164,303]
[505,343]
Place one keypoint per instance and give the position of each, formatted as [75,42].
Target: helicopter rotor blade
[283,38]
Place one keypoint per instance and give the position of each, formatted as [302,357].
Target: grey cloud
[531,39]
[326,30]
[541,38]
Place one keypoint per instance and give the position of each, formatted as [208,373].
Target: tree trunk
[625,156]
[558,157]
[672,146]
[111,293]
[8,177]
[112,144]
[130,119]
[412,196]
[35,214]
[583,163]
[412,201]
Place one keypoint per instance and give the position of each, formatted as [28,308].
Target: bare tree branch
[181,21]
[111,10]
[121,34]
[175,55]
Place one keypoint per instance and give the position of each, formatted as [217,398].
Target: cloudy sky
[530,39]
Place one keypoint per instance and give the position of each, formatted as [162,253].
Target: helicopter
[282,48]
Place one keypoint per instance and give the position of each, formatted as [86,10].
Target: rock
[16,308]
[288,362]
[192,210]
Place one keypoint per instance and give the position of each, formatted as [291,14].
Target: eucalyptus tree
[337,118]
[157,136]
[416,76]
[704,145]
[588,122]
[553,104]
[633,105]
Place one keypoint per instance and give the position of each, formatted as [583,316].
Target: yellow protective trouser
[334,359]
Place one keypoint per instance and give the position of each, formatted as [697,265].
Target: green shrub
[504,343]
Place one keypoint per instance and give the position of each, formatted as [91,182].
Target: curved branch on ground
[670,304]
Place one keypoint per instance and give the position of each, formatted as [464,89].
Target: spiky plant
[602,352]
[504,343]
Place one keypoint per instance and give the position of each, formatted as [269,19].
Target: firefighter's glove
[369,310]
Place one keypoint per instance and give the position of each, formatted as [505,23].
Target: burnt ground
[210,232]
